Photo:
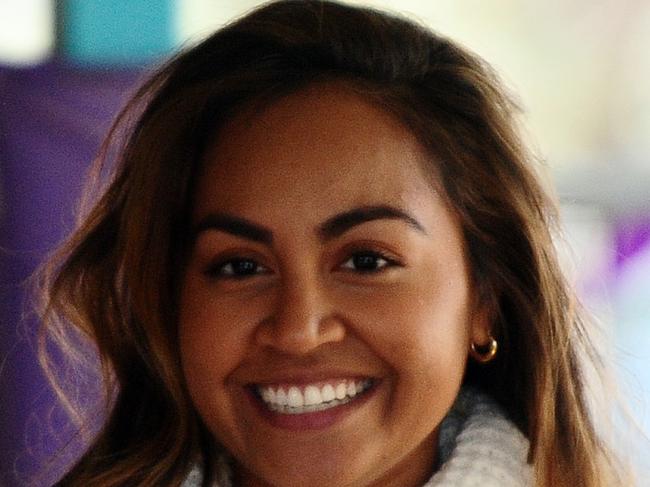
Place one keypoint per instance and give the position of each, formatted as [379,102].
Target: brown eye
[236,268]
[367,262]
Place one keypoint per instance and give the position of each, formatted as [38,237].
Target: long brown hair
[115,280]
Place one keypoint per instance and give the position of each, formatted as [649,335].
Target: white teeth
[327,393]
[298,400]
[281,398]
[268,395]
[295,399]
[312,396]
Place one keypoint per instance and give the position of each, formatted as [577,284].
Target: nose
[302,319]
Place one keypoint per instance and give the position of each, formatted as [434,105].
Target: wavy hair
[115,281]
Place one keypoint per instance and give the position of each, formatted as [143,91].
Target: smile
[309,398]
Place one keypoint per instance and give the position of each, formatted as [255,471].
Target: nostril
[299,337]
[332,329]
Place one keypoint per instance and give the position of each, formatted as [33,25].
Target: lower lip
[310,421]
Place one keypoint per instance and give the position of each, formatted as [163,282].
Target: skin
[304,309]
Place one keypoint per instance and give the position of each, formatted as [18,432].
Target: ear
[484,313]
[482,323]
[484,318]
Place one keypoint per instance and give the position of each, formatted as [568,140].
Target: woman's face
[326,309]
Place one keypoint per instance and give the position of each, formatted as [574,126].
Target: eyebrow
[333,227]
[341,223]
[240,227]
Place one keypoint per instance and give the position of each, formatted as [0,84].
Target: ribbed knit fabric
[478,447]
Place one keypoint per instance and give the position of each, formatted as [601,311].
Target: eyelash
[388,261]
[216,270]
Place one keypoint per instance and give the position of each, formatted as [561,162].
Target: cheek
[213,336]
[419,325]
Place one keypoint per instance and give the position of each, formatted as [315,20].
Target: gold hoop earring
[485,353]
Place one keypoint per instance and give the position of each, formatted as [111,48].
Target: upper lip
[302,376]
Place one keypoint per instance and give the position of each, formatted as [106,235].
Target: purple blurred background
[52,120]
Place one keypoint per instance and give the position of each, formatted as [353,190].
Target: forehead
[324,146]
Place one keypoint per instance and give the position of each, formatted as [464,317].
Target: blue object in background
[116,32]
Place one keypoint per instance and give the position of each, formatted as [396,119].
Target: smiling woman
[323,258]
[324,300]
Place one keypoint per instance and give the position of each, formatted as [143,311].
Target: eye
[235,268]
[367,262]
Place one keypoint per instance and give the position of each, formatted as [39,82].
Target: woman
[322,257]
